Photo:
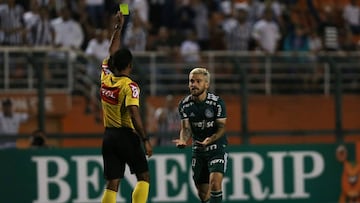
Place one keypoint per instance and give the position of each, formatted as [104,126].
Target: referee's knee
[145,176]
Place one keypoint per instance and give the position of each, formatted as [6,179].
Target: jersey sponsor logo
[135,90]
[210,124]
[109,94]
[192,114]
[217,161]
[209,113]
[203,124]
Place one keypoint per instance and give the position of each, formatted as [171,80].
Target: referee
[124,132]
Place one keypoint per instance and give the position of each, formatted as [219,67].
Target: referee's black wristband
[144,139]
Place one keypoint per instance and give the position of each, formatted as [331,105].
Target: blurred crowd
[184,27]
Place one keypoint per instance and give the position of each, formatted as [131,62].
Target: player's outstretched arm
[185,134]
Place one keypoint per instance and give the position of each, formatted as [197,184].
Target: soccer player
[203,117]
[124,131]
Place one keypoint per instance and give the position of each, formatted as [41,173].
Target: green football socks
[216,196]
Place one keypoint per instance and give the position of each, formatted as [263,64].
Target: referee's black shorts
[122,146]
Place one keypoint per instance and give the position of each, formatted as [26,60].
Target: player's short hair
[203,71]
[121,59]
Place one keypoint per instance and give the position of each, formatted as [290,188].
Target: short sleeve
[132,92]
[182,112]
[221,109]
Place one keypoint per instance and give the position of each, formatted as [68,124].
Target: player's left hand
[205,142]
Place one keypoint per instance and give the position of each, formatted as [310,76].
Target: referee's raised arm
[115,41]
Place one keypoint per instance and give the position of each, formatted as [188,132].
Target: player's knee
[143,176]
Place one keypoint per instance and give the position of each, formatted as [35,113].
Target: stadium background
[283,130]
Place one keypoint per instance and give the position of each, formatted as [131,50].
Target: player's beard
[197,91]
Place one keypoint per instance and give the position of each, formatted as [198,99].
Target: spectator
[190,49]
[274,6]
[96,10]
[238,38]
[168,119]
[327,26]
[135,37]
[228,21]
[11,23]
[68,32]
[201,23]
[266,33]
[142,9]
[329,31]
[87,25]
[185,16]
[164,41]
[42,32]
[297,40]
[38,139]
[54,6]
[351,15]
[31,17]
[10,122]
[254,7]
[217,35]
[97,50]
[156,10]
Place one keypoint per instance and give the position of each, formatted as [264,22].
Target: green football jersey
[202,117]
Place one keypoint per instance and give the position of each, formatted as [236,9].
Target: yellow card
[124,9]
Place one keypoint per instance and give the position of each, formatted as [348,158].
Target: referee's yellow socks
[141,192]
[109,196]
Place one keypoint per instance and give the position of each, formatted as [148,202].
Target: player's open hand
[205,142]
[179,143]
